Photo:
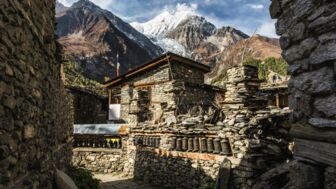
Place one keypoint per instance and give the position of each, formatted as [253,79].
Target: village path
[116,182]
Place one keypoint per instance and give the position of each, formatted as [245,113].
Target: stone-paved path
[117,182]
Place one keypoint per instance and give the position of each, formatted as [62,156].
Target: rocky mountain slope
[93,37]
[256,47]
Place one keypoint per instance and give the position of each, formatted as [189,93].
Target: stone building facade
[35,115]
[308,39]
[161,88]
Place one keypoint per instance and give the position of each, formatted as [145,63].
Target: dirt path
[117,182]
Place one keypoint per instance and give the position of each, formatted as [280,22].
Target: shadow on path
[109,181]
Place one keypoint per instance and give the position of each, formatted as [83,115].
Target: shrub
[83,178]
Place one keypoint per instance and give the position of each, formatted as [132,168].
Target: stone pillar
[308,39]
[242,95]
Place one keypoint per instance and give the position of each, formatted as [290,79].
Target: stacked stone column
[242,95]
[308,39]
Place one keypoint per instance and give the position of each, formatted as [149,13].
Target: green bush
[83,178]
[208,186]
[74,78]
[277,65]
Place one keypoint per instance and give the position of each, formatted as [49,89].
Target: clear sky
[245,15]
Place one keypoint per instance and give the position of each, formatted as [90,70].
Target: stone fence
[99,160]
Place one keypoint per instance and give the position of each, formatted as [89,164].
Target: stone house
[162,88]
[277,96]
[88,107]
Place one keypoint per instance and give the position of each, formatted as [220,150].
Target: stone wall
[182,72]
[308,39]
[172,171]
[158,94]
[35,116]
[99,160]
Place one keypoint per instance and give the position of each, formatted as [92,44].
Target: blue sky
[245,15]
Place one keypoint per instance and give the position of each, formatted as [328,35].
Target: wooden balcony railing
[97,141]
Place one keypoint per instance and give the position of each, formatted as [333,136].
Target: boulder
[326,105]
[63,181]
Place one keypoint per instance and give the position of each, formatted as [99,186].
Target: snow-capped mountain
[191,31]
[93,37]
[59,7]
[168,20]
[184,32]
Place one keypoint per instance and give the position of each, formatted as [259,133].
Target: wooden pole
[277,100]
[110,96]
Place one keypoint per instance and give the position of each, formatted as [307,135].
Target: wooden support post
[277,100]
[110,97]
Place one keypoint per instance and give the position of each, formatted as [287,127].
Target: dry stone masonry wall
[35,116]
[308,39]
[99,160]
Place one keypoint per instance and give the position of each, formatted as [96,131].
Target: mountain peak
[85,4]
[166,21]
[60,7]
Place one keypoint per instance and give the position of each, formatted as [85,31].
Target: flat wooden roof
[155,62]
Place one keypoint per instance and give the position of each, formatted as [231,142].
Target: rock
[324,52]
[231,122]
[291,175]
[29,132]
[322,123]
[9,71]
[323,24]
[4,152]
[310,82]
[63,181]
[298,31]
[171,120]
[326,105]
[10,102]
[284,41]
[275,9]
[299,51]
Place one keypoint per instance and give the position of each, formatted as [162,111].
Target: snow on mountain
[183,31]
[166,21]
[171,45]
[59,7]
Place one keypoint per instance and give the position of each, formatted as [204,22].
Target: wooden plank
[110,96]
[277,100]
[150,84]
[317,134]
[320,152]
